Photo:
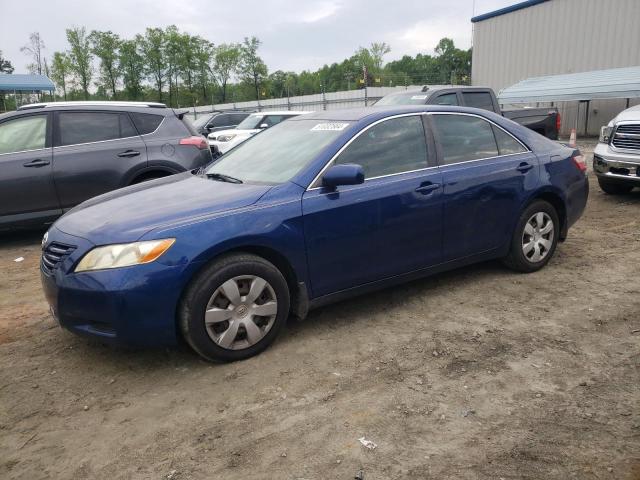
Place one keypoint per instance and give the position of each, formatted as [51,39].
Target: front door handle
[524,167]
[36,163]
[427,188]
[129,153]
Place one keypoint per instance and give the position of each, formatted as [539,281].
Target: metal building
[548,37]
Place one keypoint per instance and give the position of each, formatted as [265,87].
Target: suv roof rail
[93,103]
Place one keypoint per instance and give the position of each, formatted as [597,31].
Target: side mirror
[347,174]
[264,125]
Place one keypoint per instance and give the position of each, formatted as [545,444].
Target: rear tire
[614,188]
[535,238]
[234,308]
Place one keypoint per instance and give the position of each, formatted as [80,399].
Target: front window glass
[279,153]
[26,133]
[251,122]
[447,99]
[393,146]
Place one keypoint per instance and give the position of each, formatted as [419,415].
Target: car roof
[282,112]
[357,114]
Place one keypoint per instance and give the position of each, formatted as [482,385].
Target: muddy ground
[480,373]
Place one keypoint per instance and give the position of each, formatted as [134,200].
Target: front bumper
[130,306]
[618,166]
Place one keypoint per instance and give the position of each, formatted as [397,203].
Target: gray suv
[54,156]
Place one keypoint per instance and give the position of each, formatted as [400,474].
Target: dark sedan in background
[310,211]
[54,156]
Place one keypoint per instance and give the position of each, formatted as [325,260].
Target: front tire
[614,188]
[535,238]
[235,308]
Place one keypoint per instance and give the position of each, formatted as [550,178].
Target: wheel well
[558,204]
[150,174]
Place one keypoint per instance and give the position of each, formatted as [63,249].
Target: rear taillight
[558,122]
[198,142]
[580,163]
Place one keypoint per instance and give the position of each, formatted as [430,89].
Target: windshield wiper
[223,178]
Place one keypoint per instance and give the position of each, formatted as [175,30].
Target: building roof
[25,83]
[597,84]
[509,9]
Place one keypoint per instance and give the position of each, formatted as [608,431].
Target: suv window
[24,133]
[221,120]
[85,127]
[146,122]
[464,137]
[446,99]
[394,146]
[506,143]
[237,117]
[272,120]
[478,100]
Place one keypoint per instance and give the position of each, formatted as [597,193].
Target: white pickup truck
[616,159]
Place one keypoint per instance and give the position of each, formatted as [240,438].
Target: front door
[26,184]
[93,152]
[390,224]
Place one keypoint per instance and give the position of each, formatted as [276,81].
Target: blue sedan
[314,210]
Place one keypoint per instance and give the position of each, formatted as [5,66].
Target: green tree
[132,67]
[226,63]
[105,46]
[252,68]
[152,47]
[378,51]
[203,55]
[34,50]
[80,58]
[60,71]
[5,65]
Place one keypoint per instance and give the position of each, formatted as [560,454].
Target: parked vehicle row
[212,122]
[222,141]
[54,156]
[616,159]
[545,121]
[313,210]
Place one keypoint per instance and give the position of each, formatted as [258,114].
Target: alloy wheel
[538,236]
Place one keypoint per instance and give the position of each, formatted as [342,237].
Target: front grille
[53,255]
[627,136]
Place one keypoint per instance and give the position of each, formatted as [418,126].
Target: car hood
[235,131]
[127,214]
[630,114]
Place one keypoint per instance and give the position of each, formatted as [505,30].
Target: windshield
[250,123]
[201,121]
[279,153]
[409,98]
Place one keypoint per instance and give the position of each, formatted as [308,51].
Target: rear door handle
[36,163]
[524,167]
[129,153]
[428,188]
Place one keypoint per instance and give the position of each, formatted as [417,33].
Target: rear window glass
[86,127]
[478,100]
[464,138]
[146,122]
[506,143]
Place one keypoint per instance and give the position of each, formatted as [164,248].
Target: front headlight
[124,255]
[605,134]
[226,138]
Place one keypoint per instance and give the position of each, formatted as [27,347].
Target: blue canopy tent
[24,84]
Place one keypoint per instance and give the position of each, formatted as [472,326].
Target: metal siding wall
[560,36]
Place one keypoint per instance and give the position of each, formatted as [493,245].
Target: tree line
[181,69]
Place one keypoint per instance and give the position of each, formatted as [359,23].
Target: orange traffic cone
[572,138]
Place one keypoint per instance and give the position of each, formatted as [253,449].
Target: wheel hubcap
[537,237]
[241,312]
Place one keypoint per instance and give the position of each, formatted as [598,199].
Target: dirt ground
[480,373]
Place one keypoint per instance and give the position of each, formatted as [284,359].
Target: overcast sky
[296,34]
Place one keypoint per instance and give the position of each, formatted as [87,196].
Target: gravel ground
[479,373]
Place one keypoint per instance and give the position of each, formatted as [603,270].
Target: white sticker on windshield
[332,126]
[419,97]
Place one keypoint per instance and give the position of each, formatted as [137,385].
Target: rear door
[487,173]
[93,153]
[26,183]
[389,225]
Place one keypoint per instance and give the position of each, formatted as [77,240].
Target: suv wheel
[535,238]
[614,188]
[235,308]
